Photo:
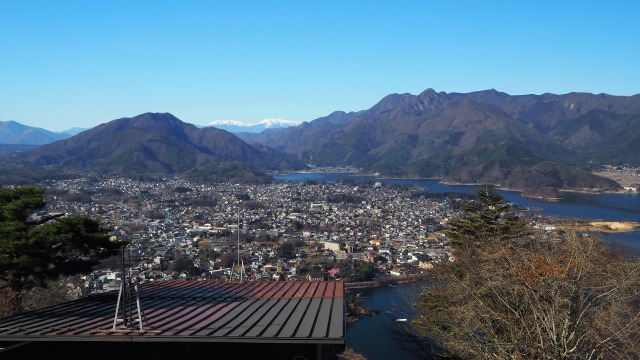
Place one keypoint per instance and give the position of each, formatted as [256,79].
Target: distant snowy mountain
[216,123]
[278,123]
[237,126]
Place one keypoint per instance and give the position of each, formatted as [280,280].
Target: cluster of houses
[175,229]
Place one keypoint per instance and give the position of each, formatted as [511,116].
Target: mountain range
[14,133]
[522,142]
[240,127]
[161,144]
[527,142]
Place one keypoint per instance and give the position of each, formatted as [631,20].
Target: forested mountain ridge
[523,142]
[519,141]
[160,143]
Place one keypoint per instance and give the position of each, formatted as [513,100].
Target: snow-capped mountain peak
[237,126]
[269,123]
[227,123]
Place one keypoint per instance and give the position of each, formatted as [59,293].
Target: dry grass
[605,226]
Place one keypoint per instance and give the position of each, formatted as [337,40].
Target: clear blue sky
[82,63]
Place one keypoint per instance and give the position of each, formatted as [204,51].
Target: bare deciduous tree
[534,297]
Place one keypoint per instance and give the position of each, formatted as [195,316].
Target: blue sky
[80,63]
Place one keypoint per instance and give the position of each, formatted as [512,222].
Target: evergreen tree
[287,250]
[485,218]
[33,252]
[361,271]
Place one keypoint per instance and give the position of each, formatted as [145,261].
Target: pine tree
[33,252]
[485,219]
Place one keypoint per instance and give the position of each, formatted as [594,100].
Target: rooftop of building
[260,313]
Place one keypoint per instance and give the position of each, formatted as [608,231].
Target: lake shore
[626,181]
[602,226]
[555,197]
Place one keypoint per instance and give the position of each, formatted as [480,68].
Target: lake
[373,336]
[605,207]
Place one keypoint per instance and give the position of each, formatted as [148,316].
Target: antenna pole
[122,294]
[241,269]
[123,276]
[125,295]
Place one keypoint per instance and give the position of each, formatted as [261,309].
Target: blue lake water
[605,207]
[373,336]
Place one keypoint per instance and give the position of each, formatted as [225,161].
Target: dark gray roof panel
[296,317]
[260,311]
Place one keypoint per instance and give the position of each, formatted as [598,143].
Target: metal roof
[196,311]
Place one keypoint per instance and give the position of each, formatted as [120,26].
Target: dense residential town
[288,230]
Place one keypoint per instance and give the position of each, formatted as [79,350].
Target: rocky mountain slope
[487,136]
